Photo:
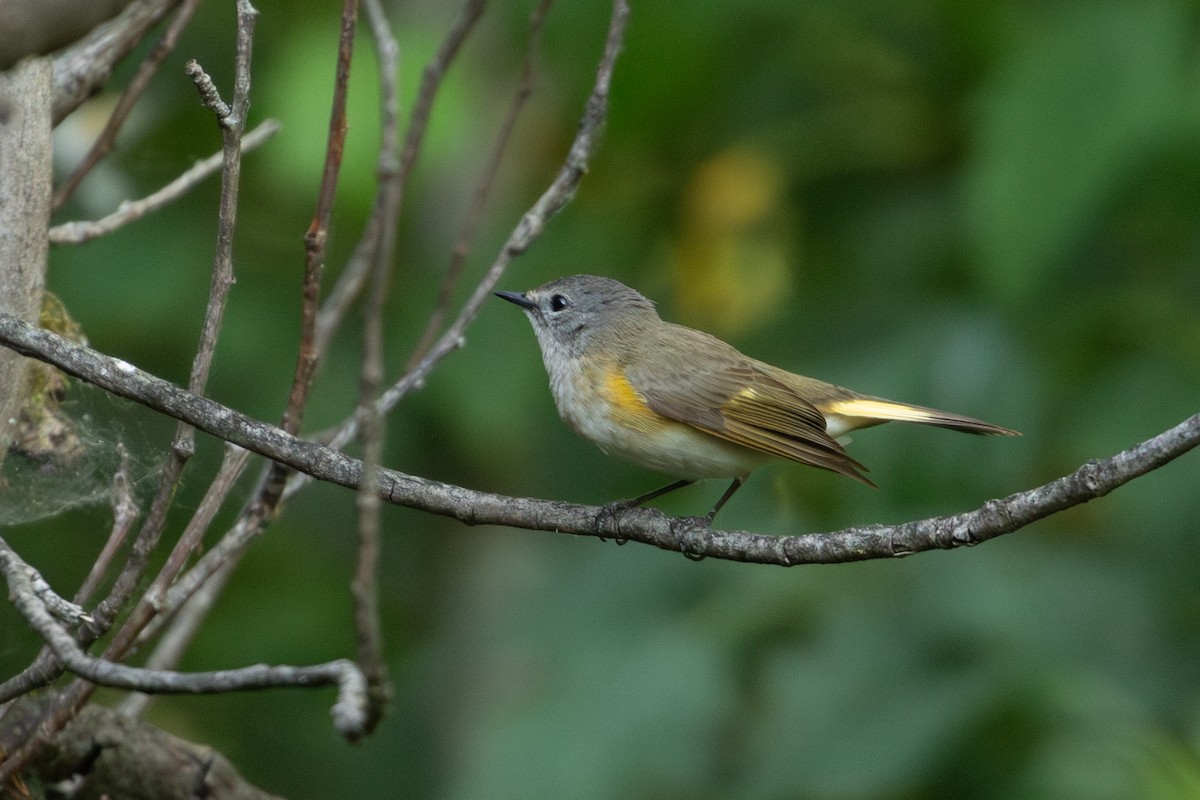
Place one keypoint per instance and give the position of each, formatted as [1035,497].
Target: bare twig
[210,96]
[185,621]
[534,222]
[462,245]
[995,518]
[318,231]
[232,121]
[394,166]
[32,587]
[386,208]
[364,587]
[125,513]
[150,604]
[220,558]
[431,80]
[84,231]
[150,615]
[141,80]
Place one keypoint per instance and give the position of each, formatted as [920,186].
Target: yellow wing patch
[626,405]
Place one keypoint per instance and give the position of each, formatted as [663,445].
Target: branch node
[899,551]
[184,448]
[1091,474]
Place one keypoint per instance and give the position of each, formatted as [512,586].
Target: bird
[687,404]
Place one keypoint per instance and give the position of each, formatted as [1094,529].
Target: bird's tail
[849,413]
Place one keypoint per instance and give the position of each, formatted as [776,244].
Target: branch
[364,586]
[995,518]
[125,513]
[26,166]
[103,753]
[81,69]
[232,124]
[137,86]
[41,608]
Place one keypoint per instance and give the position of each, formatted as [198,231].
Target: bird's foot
[608,518]
[692,533]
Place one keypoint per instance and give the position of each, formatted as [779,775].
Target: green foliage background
[992,208]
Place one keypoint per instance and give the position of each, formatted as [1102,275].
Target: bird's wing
[725,394]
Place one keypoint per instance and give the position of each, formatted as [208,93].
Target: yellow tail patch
[879,409]
[860,412]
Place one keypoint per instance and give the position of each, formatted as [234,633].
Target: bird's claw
[608,518]
[692,535]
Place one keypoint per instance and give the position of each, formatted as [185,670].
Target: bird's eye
[558,302]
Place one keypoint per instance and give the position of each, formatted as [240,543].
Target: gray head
[570,313]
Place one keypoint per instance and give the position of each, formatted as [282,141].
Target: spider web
[91,429]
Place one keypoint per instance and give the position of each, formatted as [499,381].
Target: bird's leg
[733,487]
[659,492]
[692,530]
[611,510]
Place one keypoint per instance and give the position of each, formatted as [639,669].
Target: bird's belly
[684,452]
[610,413]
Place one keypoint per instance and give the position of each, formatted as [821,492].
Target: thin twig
[318,229]
[995,518]
[154,611]
[431,81]
[462,245]
[534,221]
[137,86]
[150,616]
[221,557]
[125,513]
[150,603]
[364,587]
[130,211]
[386,207]
[214,497]
[32,587]
[210,96]
[185,621]
[233,124]
[394,168]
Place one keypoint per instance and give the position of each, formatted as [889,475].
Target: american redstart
[687,404]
